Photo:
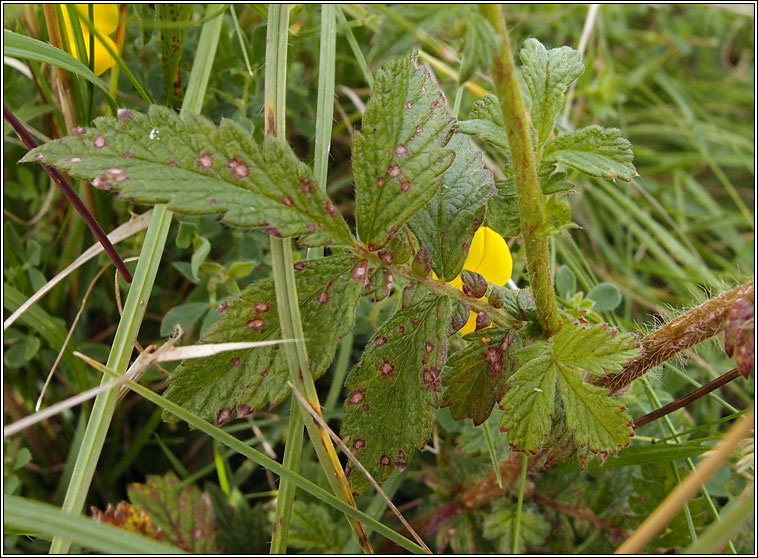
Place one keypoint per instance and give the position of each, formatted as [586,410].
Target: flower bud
[474,285]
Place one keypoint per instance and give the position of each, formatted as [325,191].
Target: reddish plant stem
[531,200]
[687,399]
[695,326]
[72,197]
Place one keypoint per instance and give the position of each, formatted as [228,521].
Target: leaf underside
[400,154]
[197,168]
[447,223]
[243,381]
[389,411]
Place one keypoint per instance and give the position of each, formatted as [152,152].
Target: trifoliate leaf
[215,386]
[447,223]
[475,376]
[486,122]
[389,411]
[599,423]
[593,150]
[198,168]
[502,209]
[499,526]
[606,297]
[182,512]
[480,43]
[528,405]
[400,154]
[548,73]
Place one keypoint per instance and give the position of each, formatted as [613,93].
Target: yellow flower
[106,21]
[490,257]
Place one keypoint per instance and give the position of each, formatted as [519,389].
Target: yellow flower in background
[490,257]
[106,21]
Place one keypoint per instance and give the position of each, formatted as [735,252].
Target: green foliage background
[677,80]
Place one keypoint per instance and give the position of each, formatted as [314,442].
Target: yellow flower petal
[490,257]
[103,58]
[105,17]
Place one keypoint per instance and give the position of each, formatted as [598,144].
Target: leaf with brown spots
[183,513]
[198,168]
[447,223]
[230,385]
[395,387]
[476,375]
[401,151]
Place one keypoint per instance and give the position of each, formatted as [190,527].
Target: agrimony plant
[422,191]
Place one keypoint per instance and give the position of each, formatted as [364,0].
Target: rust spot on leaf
[300,266]
[356,397]
[286,200]
[358,444]
[400,149]
[305,186]
[385,461]
[256,325]
[386,369]
[205,161]
[262,307]
[381,340]
[405,185]
[223,415]
[123,114]
[330,209]
[394,171]
[99,142]
[322,297]
[239,168]
[235,361]
[243,410]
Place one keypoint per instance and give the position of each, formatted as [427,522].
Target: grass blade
[44,520]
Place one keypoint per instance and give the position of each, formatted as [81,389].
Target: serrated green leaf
[606,297]
[502,209]
[475,376]
[197,168]
[530,399]
[499,523]
[597,349]
[486,122]
[395,386]
[593,150]
[248,380]
[600,425]
[548,73]
[185,315]
[447,223]
[400,153]
[183,512]
[479,45]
